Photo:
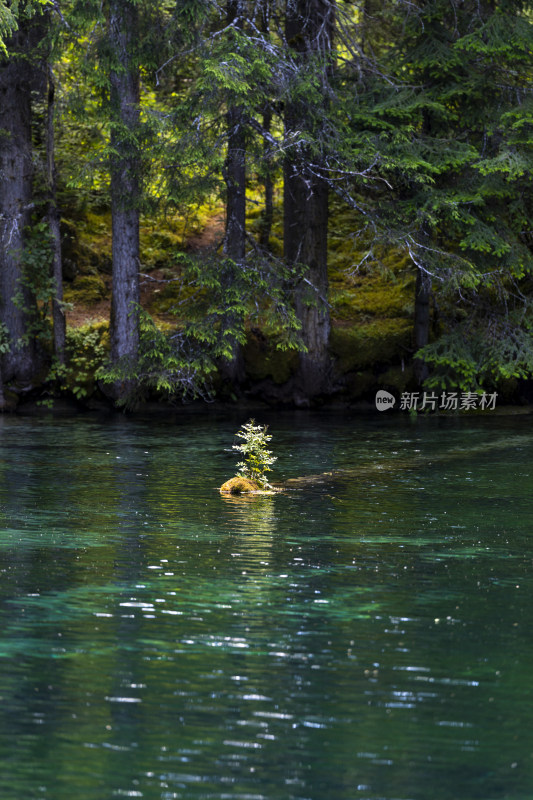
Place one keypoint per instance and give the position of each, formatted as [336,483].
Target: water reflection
[366,637]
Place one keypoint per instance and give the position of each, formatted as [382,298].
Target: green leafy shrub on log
[258,459]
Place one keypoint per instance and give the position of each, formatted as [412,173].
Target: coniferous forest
[299,201]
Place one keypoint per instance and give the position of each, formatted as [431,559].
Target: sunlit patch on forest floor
[371,303]
[89,293]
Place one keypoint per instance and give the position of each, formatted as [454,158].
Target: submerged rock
[239,485]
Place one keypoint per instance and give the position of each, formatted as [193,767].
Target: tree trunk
[235,167]
[125,183]
[309,26]
[16,196]
[305,236]
[268,210]
[235,179]
[267,216]
[421,322]
[58,315]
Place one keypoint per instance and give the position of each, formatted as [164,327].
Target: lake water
[368,636]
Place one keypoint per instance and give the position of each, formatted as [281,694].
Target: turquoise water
[368,636]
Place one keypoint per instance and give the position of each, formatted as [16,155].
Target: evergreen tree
[471,205]
[419,117]
[435,107]
[21,358]
[8,25]
[235,180]
[131,36]
[53,210]
[235,166]
[309,28]
[125,179]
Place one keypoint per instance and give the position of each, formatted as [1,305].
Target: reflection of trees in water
[64,498]
[252,514]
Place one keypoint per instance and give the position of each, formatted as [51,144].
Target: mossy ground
[371,305]
[86,290]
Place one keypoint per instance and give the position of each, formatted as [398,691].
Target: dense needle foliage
[417,119]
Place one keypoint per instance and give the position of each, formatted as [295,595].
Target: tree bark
[235,167]
[16,198]
[58,315]
[125,182]
[305,234]
[268,210]
[309,25]
[267,216]
[421,322]
[235,179]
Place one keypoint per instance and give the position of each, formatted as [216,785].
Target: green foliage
[169,363]
[483,349]
[220,299]
[86,351]
[36,287]
[438,127]
[258,459]
[229,296]
[239,68]
[5,345]
[421,121]
[10,14]
[444,147]
[8,24]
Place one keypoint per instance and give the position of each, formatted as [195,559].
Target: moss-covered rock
[239,485]
[358,384]
[397,378]
[86,290]
[372,296]
[263,361]
[380,341]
